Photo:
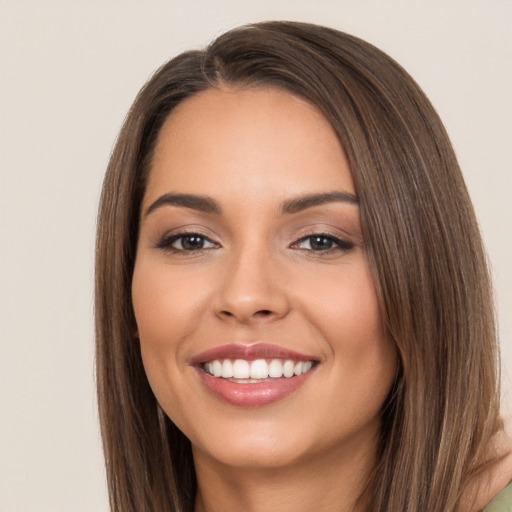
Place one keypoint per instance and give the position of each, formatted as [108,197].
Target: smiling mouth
[253,375]
[244,371]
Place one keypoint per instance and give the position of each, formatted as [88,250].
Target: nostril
[259,313]
[264,312]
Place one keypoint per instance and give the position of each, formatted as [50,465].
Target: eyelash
[340,245]
[167,242]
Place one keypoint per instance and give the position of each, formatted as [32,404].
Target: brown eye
[190,243]
[186,242]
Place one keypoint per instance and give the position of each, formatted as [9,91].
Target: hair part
[422,241]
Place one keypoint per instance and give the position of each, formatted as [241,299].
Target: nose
[251,289]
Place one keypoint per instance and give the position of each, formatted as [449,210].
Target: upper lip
[249,352]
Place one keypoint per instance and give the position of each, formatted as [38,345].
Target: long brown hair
[423,245]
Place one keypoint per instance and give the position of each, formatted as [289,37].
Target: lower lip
[254,394]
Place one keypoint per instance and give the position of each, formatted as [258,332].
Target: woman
[293,305]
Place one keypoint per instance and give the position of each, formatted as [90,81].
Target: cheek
[167,305]
[345,307]
[161,310]
[346,313]
[164,313]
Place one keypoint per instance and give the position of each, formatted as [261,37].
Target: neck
[334,482]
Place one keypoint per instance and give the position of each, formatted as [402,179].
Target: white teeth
[288,369]
[217,368]
[241,369]
[259,369]
[275,368]
[227,369]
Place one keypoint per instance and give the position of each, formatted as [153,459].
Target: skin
[258,279]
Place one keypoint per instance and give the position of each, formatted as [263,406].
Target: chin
[266,445]
[255,455]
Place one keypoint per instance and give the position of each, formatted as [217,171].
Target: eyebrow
[202,203]
[208,205]
[311,200]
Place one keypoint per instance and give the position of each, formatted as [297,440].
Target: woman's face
[258,319]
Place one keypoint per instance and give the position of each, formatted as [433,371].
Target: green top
[502,502]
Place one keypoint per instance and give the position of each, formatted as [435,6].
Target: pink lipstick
[253,375]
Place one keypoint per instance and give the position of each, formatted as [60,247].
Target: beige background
[68,73]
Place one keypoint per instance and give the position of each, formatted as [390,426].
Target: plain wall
[68,74]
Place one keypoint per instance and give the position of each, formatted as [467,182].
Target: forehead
[255,140]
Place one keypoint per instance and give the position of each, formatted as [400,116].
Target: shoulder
[491,490]
[502,502]
[499,490]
